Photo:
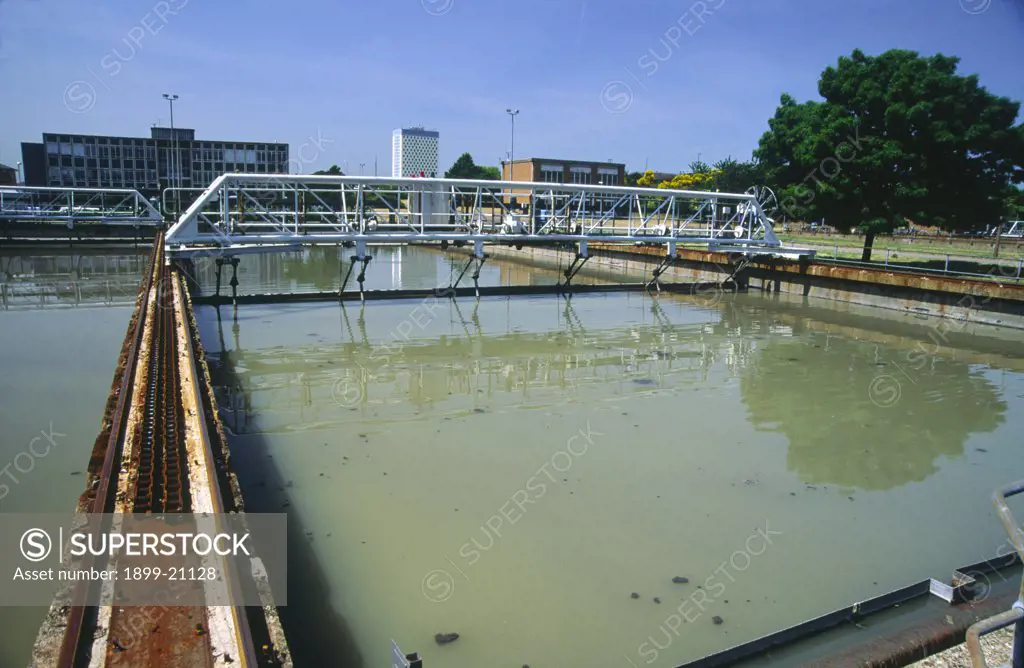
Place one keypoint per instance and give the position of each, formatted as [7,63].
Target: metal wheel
[766,198]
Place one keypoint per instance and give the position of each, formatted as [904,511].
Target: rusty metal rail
[162,483]
[75,641]
[151,382]
[1015,615]
[240,623]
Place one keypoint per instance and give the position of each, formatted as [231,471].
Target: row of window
[103,163]
[143,178]
[142,141]
[248,155]
[132,178]
[578,177]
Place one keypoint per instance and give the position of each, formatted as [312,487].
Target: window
[580,175]
[551,174]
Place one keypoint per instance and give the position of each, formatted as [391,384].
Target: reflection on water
[826,400]
[57,367]
[527,366]
[60,279]
[398,436]
[322,269]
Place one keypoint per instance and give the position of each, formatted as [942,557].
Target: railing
[239,210]
[1015,615]
[1004,272]
[77,205]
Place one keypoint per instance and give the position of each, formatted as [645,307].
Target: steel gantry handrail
[252,210]
[70,205]
[1015,615]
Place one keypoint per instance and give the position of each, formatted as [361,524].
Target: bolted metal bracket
[234,280]
[582,255]
[666,262]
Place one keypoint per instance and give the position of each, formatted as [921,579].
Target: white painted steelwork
[252,212]
[111,206]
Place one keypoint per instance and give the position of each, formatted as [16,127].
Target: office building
[545,170]
[148,164]
[8,176]
[414,152]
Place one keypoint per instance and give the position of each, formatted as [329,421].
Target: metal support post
[662,267]
[344,280]
[666,262]
[477,261]
[360,256]
[573,269]
[481,257]
[234,280]
[458,280]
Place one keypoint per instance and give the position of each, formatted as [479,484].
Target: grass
[981,270]
[1008,252]
[1011,248]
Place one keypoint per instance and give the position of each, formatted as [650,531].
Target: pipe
[986,626]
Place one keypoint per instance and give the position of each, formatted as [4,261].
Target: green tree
[898,138]
[1014,203]
[465,168]
[699,167]
[737,177]
[490,173]
[632,178]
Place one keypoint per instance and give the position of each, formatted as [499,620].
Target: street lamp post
[361,165]
[512,156]
[174,158]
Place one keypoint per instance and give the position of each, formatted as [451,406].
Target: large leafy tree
[898,138]
[465,168]
[737,177]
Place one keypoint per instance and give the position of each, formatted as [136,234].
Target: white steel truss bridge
[71,206]
[245,213]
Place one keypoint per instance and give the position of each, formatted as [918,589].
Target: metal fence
[1003,272]
[1015,615]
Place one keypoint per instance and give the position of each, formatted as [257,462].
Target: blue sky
[653,82]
